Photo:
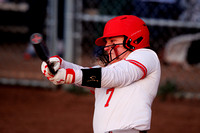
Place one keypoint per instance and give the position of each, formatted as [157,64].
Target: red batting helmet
[133,28]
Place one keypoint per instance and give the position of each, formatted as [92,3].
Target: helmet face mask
[134,30]
[106,57]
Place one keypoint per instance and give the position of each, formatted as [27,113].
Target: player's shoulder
[143,52]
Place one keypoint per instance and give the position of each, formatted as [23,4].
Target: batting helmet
[133,28]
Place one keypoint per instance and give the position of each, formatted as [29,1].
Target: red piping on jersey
[92,91]
[140,65]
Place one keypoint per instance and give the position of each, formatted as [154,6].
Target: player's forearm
[66,64]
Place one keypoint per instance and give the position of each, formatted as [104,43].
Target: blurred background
[70,28]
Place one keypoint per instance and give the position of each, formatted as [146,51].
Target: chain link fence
[19,64]
[174,34]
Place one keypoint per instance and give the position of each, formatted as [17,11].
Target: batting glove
[63,76]
[56,63]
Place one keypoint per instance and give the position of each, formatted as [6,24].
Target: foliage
[167,89]
[78,90]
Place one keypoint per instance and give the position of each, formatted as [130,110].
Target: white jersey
[128,89]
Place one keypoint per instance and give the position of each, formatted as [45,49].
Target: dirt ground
[35,110]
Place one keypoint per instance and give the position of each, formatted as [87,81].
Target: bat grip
[50,66]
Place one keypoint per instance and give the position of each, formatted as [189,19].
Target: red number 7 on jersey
[109,90]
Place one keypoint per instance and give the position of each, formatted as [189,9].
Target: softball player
[126,85]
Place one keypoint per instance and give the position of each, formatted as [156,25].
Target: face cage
[106,57]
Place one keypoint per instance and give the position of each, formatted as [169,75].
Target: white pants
[125,131]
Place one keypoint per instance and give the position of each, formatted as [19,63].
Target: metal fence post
[52,13]
[68,30]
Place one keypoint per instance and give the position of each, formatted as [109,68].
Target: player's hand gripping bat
[41,50]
